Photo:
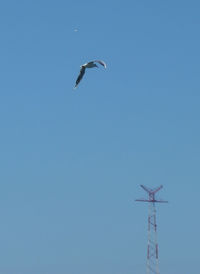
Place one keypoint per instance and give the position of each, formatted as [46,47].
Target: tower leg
[152,246]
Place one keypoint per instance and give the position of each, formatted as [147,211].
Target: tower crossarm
[151,201]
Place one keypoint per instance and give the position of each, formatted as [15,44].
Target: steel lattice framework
[152,246]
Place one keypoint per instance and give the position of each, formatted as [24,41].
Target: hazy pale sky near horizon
[72,161]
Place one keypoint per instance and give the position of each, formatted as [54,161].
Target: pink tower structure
[152,246]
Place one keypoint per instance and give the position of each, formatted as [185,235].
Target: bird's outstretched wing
[82,72]
[101,63]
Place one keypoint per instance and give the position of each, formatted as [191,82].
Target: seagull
[90,64]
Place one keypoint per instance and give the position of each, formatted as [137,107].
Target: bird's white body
[89,65]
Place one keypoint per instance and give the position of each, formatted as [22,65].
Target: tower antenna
[152,245]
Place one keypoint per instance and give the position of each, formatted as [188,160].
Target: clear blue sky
[72,161]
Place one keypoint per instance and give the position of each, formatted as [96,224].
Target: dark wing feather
[101,63]
[82,72]
[90,62]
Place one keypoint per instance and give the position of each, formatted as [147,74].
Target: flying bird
[88,65]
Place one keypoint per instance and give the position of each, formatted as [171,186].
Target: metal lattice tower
[152,246]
